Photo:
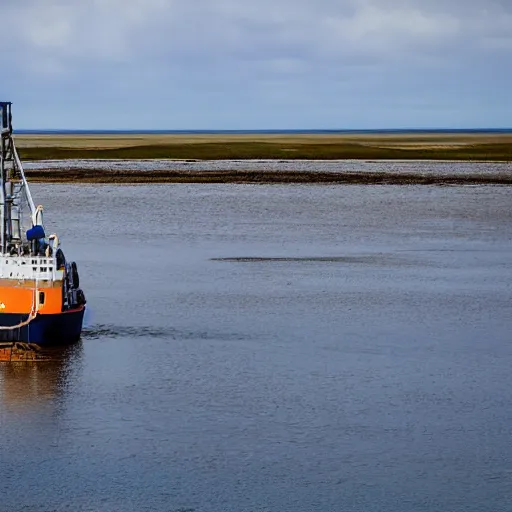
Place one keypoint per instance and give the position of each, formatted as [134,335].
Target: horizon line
[39,131]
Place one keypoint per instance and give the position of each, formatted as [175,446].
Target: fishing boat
[41,301]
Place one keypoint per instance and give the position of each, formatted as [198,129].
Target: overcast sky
[257,64]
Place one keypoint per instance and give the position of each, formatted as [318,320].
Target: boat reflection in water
[30,383]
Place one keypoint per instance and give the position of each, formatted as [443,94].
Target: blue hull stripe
[45,330]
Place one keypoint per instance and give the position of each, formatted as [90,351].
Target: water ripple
[99,331]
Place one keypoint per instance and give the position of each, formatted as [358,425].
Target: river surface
[281,348]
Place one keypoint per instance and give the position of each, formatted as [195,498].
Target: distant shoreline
[383,131]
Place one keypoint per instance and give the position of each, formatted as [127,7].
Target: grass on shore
[482,147]
[266,150]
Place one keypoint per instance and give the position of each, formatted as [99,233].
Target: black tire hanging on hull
[74,276]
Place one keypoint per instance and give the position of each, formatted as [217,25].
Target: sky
[257,64]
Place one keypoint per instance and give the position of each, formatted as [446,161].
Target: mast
[13,186]
[6,143]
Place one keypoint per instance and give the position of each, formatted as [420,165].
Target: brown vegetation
[416,146]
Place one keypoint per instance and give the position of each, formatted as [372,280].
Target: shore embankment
[269,158]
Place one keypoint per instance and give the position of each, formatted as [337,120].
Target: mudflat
[88,175]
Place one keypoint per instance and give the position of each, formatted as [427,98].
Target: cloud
[272,53]
[85,29]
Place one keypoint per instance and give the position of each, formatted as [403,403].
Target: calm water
[272,348]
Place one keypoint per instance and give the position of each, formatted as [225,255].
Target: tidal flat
[385,174]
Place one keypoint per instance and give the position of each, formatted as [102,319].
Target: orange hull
[23,297]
